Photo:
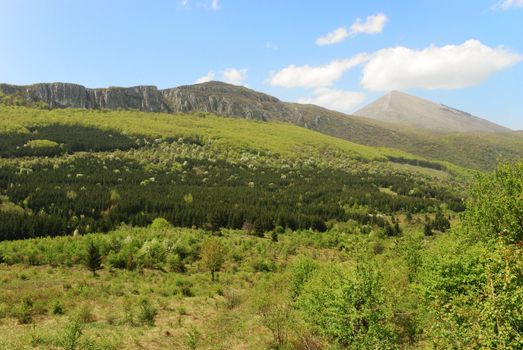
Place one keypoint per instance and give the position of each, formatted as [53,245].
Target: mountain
[472,150]
[404,109]
[214,97]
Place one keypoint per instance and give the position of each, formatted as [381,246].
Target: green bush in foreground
[348,307]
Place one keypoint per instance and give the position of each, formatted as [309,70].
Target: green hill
[90,170]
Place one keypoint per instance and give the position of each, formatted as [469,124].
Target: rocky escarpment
[63,95]
[225,99]
[215,97]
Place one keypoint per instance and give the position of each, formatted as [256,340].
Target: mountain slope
[401,108]
[473,150]
[64,169]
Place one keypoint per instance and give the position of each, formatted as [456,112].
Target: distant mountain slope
[472,150]
[401,108]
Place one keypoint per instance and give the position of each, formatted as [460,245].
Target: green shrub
[300,272]
[57,308]
[192,338]
[348,307]
[160,224]
[146,312]
[495,205]
[175,263]
[70,339]
[83,314]
[24,311]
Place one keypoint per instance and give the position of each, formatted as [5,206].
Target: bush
[146,312]
[57,308]
[160,224]
[301,271]
[72,334]
[24,311]
[495,205]
[175,263]
[84,315]
[348,307]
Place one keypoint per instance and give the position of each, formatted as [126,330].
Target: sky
[342,54]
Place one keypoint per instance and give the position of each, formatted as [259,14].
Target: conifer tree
[93,258]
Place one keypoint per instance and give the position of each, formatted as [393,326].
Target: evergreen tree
[389,230]
[93,258]
[427,229]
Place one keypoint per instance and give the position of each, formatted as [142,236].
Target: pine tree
[427,229]
[93,258]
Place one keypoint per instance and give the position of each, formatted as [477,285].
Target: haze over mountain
[472,150]
[401,108]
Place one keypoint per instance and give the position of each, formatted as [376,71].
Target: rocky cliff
[215,97]
[63,95]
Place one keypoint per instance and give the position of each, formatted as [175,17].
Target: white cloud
[339,100]
[208,77]
[206,4]
[508,4]
[373,24]
[269,45]
[230,75]
[447,67]
[314,76]
[334,37]
[235,76]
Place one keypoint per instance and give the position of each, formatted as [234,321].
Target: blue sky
[466,54]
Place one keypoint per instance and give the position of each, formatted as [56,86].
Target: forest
[203,232]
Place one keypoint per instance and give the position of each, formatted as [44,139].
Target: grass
[146,308]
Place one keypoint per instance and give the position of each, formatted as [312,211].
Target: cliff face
[214,97]
[229,100]
[63,95]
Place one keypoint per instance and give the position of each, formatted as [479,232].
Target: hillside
[411,111]
[69,169]
[472,150]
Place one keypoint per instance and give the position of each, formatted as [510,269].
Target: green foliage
[71,339]
[495,205]
[472,280]
[24,311]
[93,258]
[192,338]
[147,312]
[41,144]
[160,224]
[275,310]
[175,263]
[473,295]
[348,307]
[213,255]
[300,272]
[57,308]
